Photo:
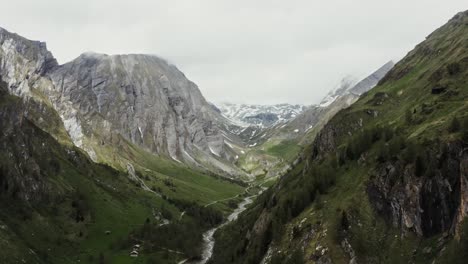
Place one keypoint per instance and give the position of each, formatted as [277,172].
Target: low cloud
[240,51]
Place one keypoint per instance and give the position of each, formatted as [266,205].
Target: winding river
[208,236]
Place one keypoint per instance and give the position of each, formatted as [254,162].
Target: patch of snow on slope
[259,115]
[214,152]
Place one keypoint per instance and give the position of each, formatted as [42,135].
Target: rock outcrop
[424,205]
[23,62]
[372,80]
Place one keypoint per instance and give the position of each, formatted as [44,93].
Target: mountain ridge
[384,181]
[101,97]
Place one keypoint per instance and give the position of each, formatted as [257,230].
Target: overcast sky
[252,51]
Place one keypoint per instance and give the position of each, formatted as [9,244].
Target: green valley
[121,159]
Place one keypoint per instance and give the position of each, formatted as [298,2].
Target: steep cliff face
[22,62]
[424,205]
[108,102]
[141,97]
[20,174]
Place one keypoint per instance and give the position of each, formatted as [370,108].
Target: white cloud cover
[255,51]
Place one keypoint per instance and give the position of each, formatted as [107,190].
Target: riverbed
[208,236]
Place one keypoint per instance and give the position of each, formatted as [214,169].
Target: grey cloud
[243,51]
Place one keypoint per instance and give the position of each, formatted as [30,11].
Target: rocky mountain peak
[341,89]
[349,85]
[14,46]
[107,100]
[371,81]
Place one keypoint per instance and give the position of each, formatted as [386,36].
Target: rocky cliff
[106,101]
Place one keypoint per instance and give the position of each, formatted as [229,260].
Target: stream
[208,236]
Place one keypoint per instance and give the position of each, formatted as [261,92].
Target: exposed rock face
[22,61]
[372,80]
[428,204]
[424,205]
[141,99]
[21,143]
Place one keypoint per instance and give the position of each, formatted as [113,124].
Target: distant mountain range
[259,115]
[261,122]
[384,178]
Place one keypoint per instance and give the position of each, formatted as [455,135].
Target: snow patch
[213,152]
[229,144]
[190,157]
[175,158]
[141,133]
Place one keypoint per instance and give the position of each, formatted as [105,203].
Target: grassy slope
[48,232]
[407,89]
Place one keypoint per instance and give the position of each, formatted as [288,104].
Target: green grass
[286,149]
[82,200]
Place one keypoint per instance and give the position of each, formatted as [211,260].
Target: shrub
[408,116]
[454,125]
[419,166]
[453,68]
[465,130]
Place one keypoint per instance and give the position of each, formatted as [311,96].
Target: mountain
[372,80]
[384,180]
[345,94]
[80,178]
[107,101]
[259,115]
[58,206]
[271,150]
[343,88]
[304,125]
[348,85]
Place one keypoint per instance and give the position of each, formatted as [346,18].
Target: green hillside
[383,182]
[60,207]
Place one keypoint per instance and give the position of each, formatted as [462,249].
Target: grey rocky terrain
[135,99]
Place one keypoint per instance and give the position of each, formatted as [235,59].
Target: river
[208,236]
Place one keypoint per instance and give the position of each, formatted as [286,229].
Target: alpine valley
[121,159]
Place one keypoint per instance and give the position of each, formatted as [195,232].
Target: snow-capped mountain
[345,85]
[349,85]
[259,115]
[344,94]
